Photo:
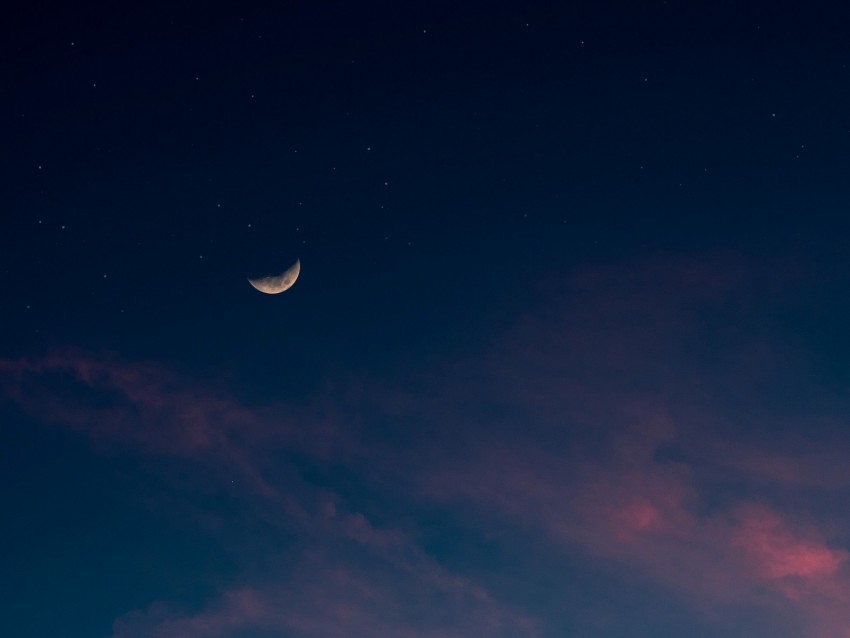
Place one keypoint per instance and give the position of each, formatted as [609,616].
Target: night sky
[568,355]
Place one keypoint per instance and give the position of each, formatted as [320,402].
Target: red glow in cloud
[595,387]
[614,428]
[776,553]
[646,516]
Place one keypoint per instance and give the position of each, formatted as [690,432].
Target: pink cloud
[142,404]
[327,597]
[591,427]
[149,410]
[776,552]
[632,452]
[647,515]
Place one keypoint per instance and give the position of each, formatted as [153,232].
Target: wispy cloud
[640,420]
[632,451]
[354,579]
[325,601]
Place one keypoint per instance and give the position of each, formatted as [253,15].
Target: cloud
[146,409]
[382,585]
[334,602]
[142,405]
[638,448]
[653,516]
[640,421]
[353,578]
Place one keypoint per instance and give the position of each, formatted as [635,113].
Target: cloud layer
[639,421]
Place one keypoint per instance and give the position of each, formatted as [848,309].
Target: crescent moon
[275,284]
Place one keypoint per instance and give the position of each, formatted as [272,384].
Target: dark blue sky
[567,356]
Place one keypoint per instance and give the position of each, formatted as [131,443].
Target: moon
[275,284]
